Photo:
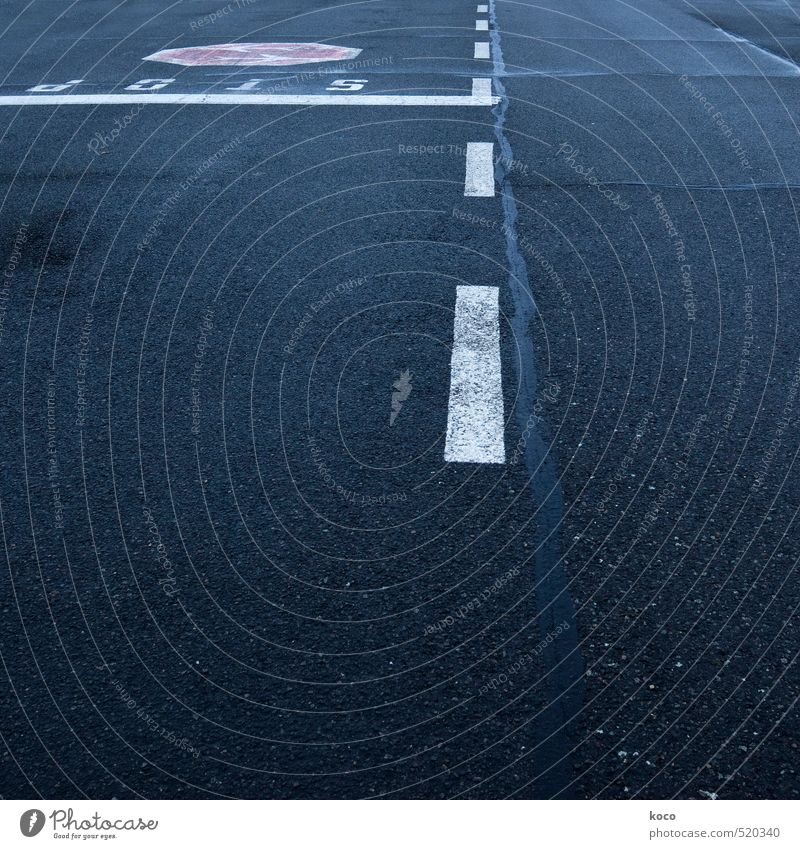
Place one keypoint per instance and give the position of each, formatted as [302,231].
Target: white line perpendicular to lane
[479,174]
[481,96]
[475,417]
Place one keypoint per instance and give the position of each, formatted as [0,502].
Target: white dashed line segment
[482,26]
[475,409]
[479,176]
[482,91]
[482,10]
[482,50]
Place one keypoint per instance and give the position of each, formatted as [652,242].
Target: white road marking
[482,90]
[346,85]
[149,85]
[54,86]
[482,10]
[249,54]
[481,96]
[249,85]
[483,26]
[479,177]
[482,50]
[475,409]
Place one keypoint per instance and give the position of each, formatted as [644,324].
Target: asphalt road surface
[410,414]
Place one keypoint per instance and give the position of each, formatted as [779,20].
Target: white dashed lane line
[482,10]
[482,50]
[475,409]
[482,26]
[479,176]
[482,91]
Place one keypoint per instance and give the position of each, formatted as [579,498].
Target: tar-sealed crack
[550,755]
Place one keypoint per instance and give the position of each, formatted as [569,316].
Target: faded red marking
[287,53]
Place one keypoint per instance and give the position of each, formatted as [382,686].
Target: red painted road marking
[287,53]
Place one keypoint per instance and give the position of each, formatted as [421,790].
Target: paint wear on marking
[479,177]
[246,55]
[482,90]
[475,409]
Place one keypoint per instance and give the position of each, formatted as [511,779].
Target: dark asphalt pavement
[235,560]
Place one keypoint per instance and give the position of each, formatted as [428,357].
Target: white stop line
[481,95]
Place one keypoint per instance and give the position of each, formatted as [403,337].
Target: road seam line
[562,691]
